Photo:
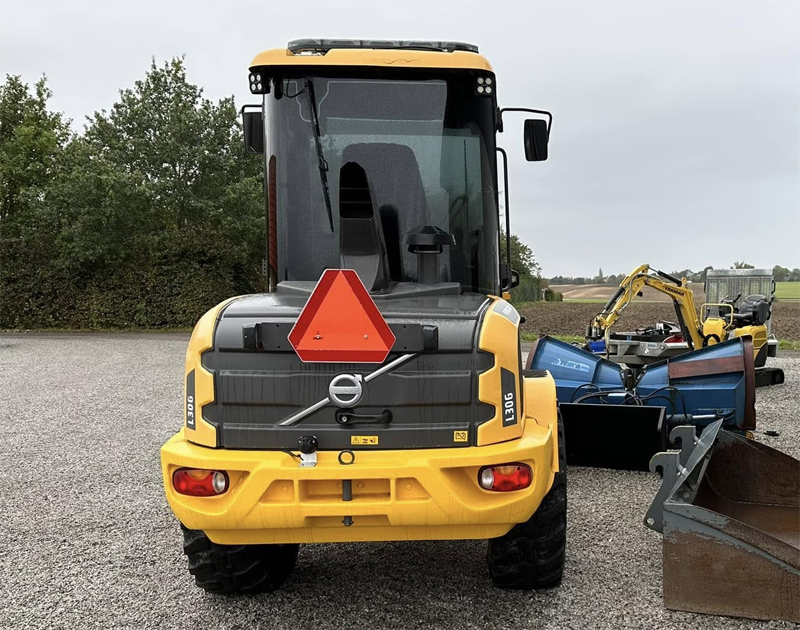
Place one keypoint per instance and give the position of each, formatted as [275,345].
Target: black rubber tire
[768,376]
[531,555]
[232,569]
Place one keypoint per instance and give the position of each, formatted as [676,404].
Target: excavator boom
[631,287]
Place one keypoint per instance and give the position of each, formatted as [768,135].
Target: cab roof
[361,52]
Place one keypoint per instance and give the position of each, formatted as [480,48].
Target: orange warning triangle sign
[340,323]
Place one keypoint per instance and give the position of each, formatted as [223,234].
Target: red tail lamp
[505,477]
[197,482]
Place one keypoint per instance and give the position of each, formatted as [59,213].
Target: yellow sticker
[460,436]
[364,440]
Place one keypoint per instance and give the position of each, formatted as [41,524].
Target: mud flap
[729,512]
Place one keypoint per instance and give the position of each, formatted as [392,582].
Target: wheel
[531,555]
[237,568]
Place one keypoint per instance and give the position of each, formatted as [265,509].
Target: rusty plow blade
[729,512]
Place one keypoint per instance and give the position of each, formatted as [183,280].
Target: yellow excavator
[717,322]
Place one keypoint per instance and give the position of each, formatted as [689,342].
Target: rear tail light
[505,477]
[197,482]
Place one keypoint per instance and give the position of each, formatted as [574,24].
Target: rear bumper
[397,495]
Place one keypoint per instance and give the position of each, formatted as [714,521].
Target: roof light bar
[324,45]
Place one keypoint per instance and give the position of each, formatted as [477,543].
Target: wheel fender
[541,406]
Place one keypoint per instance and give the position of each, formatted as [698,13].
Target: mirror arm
[507,282]
[524,109]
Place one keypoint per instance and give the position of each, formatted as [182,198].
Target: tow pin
[345,459]
[347,495]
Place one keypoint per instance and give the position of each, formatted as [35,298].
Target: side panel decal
[508,385]
[499,386]
[190,400]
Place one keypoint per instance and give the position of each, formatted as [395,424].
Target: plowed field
[605,291]
[571,318]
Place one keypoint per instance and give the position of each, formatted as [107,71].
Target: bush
[553,296]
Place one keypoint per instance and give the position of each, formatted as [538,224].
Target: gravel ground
[88,539]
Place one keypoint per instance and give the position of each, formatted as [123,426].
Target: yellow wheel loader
[374,392]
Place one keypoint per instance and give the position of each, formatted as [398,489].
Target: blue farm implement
[615,418]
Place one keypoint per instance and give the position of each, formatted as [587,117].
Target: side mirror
[508,277]
[253,124]
[536,137]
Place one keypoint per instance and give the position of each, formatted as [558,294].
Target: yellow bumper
[397,495]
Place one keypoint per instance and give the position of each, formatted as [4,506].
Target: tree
[522,259]
[531,284]
[794,276]
[704,274]
[742,265]
[684,273]
[31,138]
[780,274]
[156,214]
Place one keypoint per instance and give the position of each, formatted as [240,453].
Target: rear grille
[430,398]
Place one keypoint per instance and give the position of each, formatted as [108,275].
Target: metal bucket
[729,511]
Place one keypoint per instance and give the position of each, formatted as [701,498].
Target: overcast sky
[676,138]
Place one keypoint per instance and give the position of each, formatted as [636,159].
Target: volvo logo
[346,390]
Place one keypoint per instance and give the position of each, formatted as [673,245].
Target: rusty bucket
[729,512]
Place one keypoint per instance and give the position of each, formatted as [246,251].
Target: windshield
[426,145]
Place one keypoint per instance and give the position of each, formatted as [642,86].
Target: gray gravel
[88,540]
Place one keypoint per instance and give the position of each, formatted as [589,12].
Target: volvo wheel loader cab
[375,391]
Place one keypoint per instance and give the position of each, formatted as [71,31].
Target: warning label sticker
[364,440]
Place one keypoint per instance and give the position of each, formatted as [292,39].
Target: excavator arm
[631,287]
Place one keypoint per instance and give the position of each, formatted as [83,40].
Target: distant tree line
[780,274]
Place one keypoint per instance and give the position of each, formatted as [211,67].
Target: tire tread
[532,554]
[234,569]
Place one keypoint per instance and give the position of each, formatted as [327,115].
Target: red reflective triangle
[340,323]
